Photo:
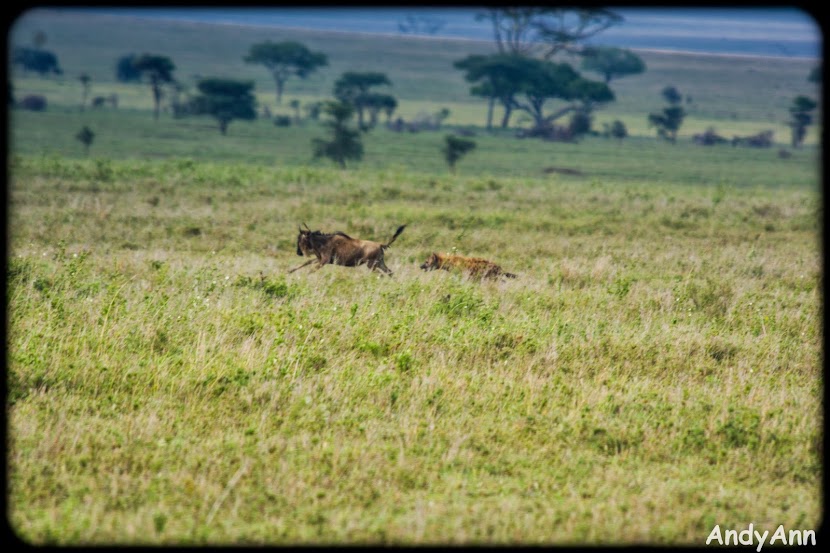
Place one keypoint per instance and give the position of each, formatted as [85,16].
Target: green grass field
[135,135]
[654,370]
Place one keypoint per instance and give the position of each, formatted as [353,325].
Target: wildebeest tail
[510,275]
[397,233]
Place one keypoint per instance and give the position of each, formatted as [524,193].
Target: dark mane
[317,238]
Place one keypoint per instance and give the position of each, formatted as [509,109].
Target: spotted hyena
[476,267]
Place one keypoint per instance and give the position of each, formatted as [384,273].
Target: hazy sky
[764,31]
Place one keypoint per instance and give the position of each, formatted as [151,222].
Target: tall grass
[654,370]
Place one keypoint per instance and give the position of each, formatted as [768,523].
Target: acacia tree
[345,142]
[376,102]
[668,121]
[801,110]
[545,80]
[473,65]
[41,62]
[159,71]
[353,88]
[548,31]
[125,70]
[498,77]
[612,63]
[86,83]
[801,118]
[455,148]
[388,104]
[284,60]
[225,100]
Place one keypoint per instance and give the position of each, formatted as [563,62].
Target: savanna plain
[654,370]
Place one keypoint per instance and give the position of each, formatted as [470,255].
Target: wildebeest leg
[324,260]
[309,262]
[379,264]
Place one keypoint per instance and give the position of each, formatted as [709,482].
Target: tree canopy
[801,118]
[496,77]
[376,102]
[353,88]
[672,95]
[526,83]
[612,63]
[41,62]
[545,80]
[345,142]
[284,60]
[225,100]
[455,148]
[125,70]
[668,121]
[159,71]
[85,136]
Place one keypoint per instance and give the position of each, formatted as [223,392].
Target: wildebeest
[476,267]
[339,248]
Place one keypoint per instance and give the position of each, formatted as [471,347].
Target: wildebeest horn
[306,226]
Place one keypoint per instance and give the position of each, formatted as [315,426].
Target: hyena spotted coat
[475,267]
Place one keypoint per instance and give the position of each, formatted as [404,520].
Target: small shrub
[709,138]
[282,121]
[741,428]
[85,136]
[617,130]
[455,148]
[33,102]
[274,288]
[404,361]
[580,123]
[277,288]
[315,362]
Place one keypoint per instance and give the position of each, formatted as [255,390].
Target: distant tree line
[521,76]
